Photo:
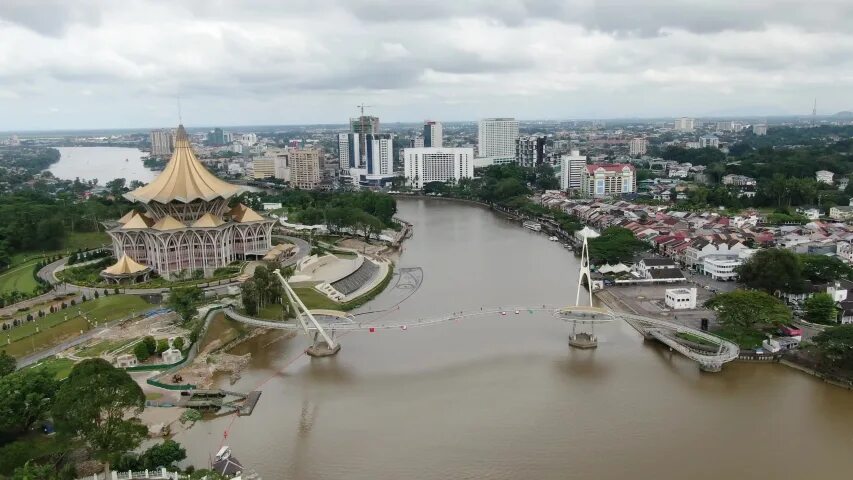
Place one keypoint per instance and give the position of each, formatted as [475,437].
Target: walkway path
[48,273]
[661,330]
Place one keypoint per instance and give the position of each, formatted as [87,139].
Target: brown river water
[504,397]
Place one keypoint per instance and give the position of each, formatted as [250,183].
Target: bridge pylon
[324,342]
[583,340]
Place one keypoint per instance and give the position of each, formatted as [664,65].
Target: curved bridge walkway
[661,330]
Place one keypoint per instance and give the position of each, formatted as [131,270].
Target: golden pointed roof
[127,216]
[137,221]
[125,266]
[168,223]
[208,220]
[184,179]
[241,213]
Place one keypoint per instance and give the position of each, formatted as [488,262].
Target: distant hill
[844,114]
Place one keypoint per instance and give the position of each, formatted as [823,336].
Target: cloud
[263,61]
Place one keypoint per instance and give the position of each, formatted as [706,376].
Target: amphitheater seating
[356,279]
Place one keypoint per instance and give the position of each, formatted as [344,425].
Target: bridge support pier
[711,367]
[583,340]
[321,347]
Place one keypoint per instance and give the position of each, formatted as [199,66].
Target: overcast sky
[96,64]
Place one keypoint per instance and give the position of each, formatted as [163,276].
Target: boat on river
[535,226]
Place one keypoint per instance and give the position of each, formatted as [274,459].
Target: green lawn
[53,328]
[60,367]
[105,346]
[314,299]
[19,277]
[272,311]
[696,339]
[749,339]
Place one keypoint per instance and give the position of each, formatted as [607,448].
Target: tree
[178,343]
[162,345]
[835,346]
[165,454]
[150,345]
[614,245]
[745,311]
[184,300]
[821,268]
[249,294]
[99,403]
[26,397]
[7,364]
[141,351]
[820,308]
[772,270]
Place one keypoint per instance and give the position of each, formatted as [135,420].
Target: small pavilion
[126,270]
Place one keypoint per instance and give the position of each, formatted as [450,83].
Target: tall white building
[248,139]
[571,170]
[685,124]
[529,150]
[496,137]
[709,141]
[759,130]
[162,142]
[433,136]
[638,146]
[349,150]
[425,165]
[379,156]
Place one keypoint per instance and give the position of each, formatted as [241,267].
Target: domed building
[187,224]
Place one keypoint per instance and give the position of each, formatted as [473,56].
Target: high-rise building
[433,136]
[728,126]
[379,157]
[638,146]
[529,150]
[709,141]
[685,124]
[417,142]
[606,180]
[305,168]
[425,165]
[496,137]
[216,137]
[759,130]
[273,164]
[162,142]
[349,150]
[571,170]
[363,125]
[248,139]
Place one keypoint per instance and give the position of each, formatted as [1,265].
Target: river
[506,398]
[101,163]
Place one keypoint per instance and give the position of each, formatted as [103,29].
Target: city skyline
[104,65]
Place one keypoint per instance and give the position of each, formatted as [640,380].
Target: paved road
[48,273]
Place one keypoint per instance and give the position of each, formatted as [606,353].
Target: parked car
[790,331]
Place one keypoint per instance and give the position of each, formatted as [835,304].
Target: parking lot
[648,300]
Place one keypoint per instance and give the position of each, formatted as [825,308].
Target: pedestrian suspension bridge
[323,325]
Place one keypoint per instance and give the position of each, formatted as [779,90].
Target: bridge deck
[657,328]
